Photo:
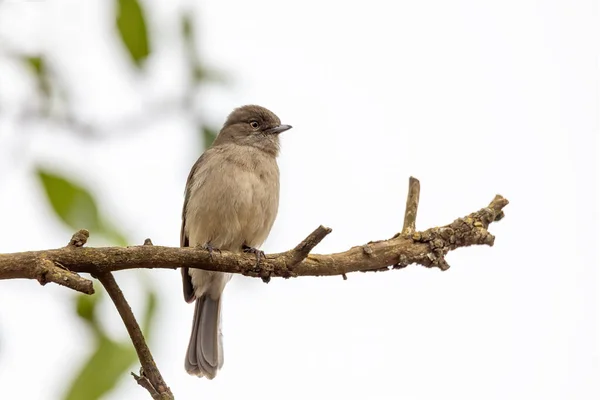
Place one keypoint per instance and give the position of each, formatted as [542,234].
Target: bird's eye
[254,124]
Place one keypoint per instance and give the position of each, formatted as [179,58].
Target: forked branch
[427,248]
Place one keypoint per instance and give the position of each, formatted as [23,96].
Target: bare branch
[426,248]
[145,383]
[301,251]
[149,368]
[43,270]
[52,271]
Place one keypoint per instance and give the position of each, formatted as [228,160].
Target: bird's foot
[209,247]
[259,253]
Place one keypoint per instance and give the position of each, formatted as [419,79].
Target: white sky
[473,98]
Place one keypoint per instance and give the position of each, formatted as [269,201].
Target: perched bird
[231,200]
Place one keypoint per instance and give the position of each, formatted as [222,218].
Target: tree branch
[150,378]
[427,248]
[46,270]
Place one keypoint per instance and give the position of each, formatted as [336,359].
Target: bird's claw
[259,253]
[209,247]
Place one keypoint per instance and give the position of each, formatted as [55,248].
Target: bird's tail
[205,351]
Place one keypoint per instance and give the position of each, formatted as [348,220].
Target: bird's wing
[188,288]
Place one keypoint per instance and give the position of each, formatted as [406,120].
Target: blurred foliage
[76,207]
[39,66]
[40,69]
[73,202]
[111,359]
[200,73]
[132,29]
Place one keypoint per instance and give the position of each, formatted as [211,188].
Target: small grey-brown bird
[231,200]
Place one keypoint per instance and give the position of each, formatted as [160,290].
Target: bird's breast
[235,204]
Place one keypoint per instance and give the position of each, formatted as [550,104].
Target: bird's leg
[259,253]
[209,247]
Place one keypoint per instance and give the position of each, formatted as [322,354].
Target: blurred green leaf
[76,207]
[86,306]
[149,312]
[113,235]
[39,67]
[109,362]
[198,70]
[73,204]
[133,30]
[208,136]
[187,28]
[37,63]
[199,73]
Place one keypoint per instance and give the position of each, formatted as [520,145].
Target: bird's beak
[278,129]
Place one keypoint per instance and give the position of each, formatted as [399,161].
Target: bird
[231,202]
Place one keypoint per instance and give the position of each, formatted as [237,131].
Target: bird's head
[254,126]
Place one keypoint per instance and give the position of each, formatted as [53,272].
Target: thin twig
[145,383]
[150,370]
[44,269]
[412,206]
[48,271]
[301,251]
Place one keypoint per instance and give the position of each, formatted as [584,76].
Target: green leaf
[113,235]
[73,204]
[187,28]
[198,71]
[37,63]
[86,306]
[39,67]
[149,312]
[76,207]
[208,135]
[132,28]
[106,366]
